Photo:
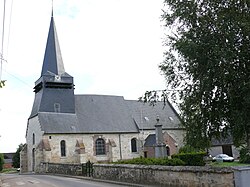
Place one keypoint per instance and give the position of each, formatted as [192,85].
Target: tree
[1,161]
[16,157]
[207,64]
[2,83]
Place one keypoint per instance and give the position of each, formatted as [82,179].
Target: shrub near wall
[192,159]
[244,156]
[153,161]
[1,161]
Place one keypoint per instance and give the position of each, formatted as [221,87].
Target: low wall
[66,169]
[164,176]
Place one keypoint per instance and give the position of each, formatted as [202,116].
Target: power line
[20,80]
[1,54]
[9,29]
[1,57]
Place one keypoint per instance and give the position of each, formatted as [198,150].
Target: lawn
[10,170]
[228,164]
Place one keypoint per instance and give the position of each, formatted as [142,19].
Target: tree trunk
[248,144]
[248,141]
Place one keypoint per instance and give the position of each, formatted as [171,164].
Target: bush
[1,161]
[191,159]
[245,156]
[153,161]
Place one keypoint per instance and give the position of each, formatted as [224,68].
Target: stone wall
[23,160]
[56,168]
[164,176]
[33,137]
[185,176]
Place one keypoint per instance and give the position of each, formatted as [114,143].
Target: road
[16,180]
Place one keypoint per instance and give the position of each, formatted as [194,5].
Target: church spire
[54,90]
[52,62]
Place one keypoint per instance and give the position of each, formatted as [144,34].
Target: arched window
[133,145]
[63,148]
[100,146]
[33,139]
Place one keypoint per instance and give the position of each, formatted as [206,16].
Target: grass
[9,170]
[228,164]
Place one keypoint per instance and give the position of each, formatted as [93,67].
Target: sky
[110,47]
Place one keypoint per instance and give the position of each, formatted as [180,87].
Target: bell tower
[54,90]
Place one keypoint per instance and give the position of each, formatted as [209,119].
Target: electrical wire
[9,30]
[19,79]
[1,57]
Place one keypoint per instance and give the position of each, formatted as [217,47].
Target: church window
[100,146]
[168,150]
[57,107]
[133,145]
[63,148]
[33,139]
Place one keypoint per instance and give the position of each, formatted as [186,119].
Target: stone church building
[68,128]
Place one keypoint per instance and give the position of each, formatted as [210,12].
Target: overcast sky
[110,47]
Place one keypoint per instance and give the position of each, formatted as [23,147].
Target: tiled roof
[150,140]
[107,114]
[145,115]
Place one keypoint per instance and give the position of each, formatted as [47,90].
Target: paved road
[15,180]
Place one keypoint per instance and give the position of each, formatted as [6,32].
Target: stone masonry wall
[66,169]
[33,128]
[166,176]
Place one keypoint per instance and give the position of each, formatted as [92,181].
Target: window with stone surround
[33,139]
[133,145]
[100,146]
[63,148]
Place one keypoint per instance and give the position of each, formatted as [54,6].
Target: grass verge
[9,170]
[227,164]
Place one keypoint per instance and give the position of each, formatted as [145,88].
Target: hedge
[191,159]
[153,161]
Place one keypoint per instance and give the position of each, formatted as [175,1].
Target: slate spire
[54,90]
[52,62]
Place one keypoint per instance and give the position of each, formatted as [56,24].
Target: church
[67,128]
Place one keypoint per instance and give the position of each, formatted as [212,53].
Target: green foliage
[188,149]
[191,159]
[245,156]
[1,161]
[207,64]
[16,157]
[2,83]
[9,170]
[228,164]
[153,161]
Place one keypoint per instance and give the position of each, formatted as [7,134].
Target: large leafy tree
[16,157]
[207,64]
